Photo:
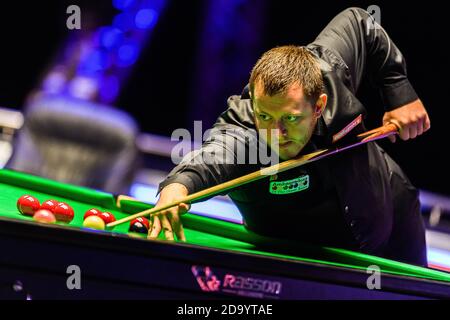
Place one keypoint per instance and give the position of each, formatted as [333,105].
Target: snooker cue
[372,135]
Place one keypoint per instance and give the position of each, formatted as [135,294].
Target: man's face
[291,114]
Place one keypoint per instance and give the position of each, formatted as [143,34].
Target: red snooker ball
[142,220]
[138,227]
[63,212]
[44,216]
[91,212]
[49,205]
[28,205]
[108,217]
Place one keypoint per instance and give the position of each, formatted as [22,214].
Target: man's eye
[264,117]
[292,118]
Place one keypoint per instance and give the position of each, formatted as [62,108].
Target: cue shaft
[286,165]
[375,134]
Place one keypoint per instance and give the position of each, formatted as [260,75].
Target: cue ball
[107,217]
[63,212]
[44,216]
[49,205]
[94,222]
[28,205]
[138,227]
[91,212]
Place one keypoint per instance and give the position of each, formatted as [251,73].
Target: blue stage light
[146,18]
[109,88]
[127,54]
[55,81]
[157,5]
[110,37]
[123,4]
[95,61]
[124,21]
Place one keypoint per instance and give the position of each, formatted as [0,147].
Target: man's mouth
[285,144]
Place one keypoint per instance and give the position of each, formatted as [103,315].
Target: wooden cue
[262,173]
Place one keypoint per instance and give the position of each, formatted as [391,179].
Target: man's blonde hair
[281,67]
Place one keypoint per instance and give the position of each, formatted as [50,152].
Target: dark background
[162,89]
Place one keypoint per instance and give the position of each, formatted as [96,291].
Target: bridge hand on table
[169,219]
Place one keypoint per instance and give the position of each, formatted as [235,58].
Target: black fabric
[358,46]
[77,142]
[375,211]
[311,216]
[407,242]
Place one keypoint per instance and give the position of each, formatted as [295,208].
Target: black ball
[138,227]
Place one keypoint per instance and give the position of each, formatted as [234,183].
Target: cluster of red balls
[96,219]
[49,211]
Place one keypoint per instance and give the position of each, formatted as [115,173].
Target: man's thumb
[184,207]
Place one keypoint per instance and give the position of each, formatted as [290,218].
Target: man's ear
[321,103]
[246,94]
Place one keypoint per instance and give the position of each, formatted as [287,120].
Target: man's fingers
[167,228]
[413,131]
[404,132]
[155,229]
[420,126]
[412,119]
[183,208]
[178,227]
[169,222]
[427,125]
[150,224]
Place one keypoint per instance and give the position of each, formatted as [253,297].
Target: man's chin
[289,154]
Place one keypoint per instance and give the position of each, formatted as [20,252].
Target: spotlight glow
[127,54]
[110,37]
[109,88]
[122,4]
[146,18]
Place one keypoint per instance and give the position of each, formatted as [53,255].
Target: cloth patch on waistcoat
[289,186]
[347,129]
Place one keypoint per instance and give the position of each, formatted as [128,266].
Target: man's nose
[282,131]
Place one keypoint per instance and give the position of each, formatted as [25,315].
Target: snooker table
[221,259]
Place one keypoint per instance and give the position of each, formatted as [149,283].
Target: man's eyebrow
[258,109]
[297,114]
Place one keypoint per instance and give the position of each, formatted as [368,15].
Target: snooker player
[358,199]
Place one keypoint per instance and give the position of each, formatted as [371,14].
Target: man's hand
[169,220]
[412,119]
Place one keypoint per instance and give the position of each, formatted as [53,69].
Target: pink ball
[44,216]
